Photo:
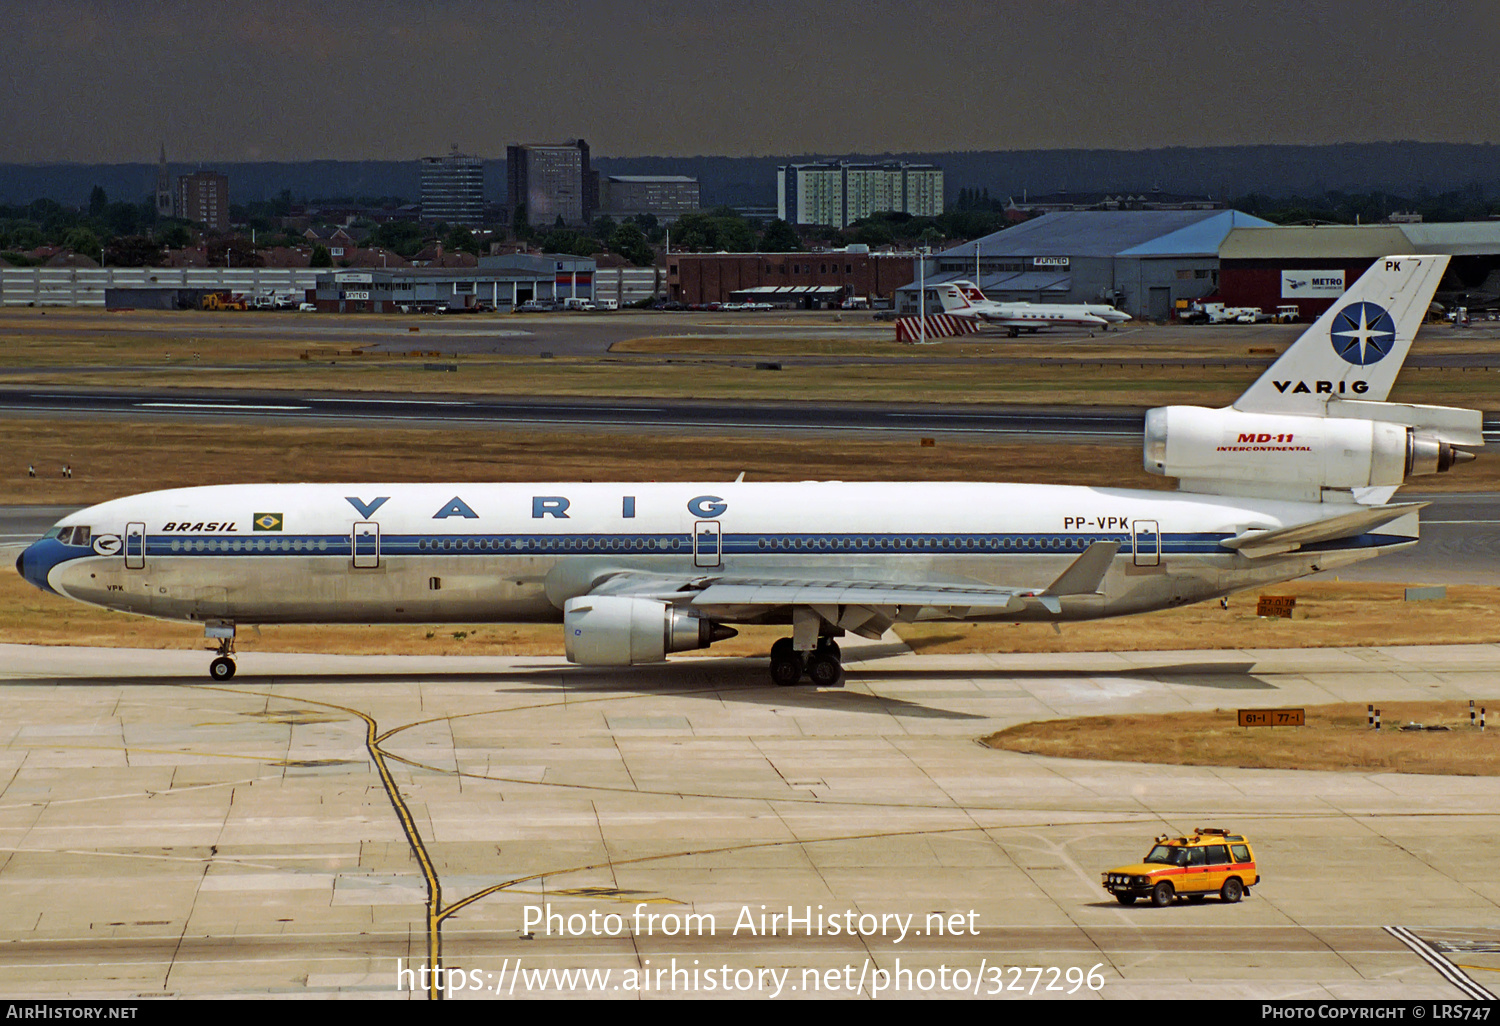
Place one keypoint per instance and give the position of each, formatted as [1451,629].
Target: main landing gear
[822,665]
[222,668]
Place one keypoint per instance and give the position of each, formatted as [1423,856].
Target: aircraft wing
[864,607]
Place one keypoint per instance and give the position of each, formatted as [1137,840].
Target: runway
[324,823]
[1073,423]
[633,415]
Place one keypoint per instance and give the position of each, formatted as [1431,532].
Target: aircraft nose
[31,565]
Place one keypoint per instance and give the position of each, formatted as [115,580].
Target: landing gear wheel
[830,646]
[825,669]
[786,666]
[221,668]
[1232,891]
[1162,894]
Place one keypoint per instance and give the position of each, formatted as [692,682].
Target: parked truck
[224,301]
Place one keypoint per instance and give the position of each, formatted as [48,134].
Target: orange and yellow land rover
[1211,861]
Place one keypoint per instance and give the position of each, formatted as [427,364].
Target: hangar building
[1141,261]
[787,279]
[1312,266]
[499,283]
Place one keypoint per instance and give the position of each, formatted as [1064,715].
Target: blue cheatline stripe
[810,544]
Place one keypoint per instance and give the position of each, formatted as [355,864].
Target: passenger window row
[248,545]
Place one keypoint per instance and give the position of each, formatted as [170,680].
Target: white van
[577,303]
[606,304]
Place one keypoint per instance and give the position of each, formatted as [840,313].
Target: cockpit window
[71,535]
[54,532]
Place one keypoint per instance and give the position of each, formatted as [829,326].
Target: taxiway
[324,822]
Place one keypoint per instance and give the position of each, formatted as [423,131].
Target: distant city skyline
[278,80]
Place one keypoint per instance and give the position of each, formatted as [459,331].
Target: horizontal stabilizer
[1449,424]
[1256,543]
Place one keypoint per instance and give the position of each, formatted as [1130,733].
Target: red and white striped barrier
[909,329]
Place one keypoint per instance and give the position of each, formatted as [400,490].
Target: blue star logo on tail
[1363,333]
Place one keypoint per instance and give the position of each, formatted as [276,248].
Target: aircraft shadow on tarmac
[1226,676]
[719,679]
[750,688]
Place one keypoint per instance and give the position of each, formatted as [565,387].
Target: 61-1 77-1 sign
[1272,718]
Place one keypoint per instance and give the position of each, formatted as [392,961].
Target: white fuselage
[965,299]
[320,553]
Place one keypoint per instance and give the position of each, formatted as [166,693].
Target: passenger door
[366,540]
[1195,880]
[135,546]
[706,543]
[1218,866]
[1146,542]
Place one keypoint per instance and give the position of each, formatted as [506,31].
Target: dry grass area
[980,381]
[1335,738]
[111,459]
[140,349]
[856,381]
[1329,614]
[854,343]
[1142,341]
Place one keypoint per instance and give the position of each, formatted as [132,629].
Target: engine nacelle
[1203,446]
[610,630]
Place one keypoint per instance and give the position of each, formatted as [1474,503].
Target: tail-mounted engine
[1297,457]
[612,630]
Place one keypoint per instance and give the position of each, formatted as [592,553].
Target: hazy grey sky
[396,79]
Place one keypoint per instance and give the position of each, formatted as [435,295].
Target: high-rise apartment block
[165,199]
[203,197]
[840,193]
[453,189]
[663,196]
[551,181]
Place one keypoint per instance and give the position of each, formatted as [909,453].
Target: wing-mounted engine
[612,630]
[1289,456]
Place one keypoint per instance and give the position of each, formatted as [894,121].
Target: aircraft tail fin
[951,295]
[1356,348]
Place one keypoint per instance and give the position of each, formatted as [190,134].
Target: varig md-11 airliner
[1294,478]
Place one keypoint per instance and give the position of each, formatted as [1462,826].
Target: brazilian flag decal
[267,521]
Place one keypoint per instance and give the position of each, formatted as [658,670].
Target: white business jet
[965,299]
[1294,478]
